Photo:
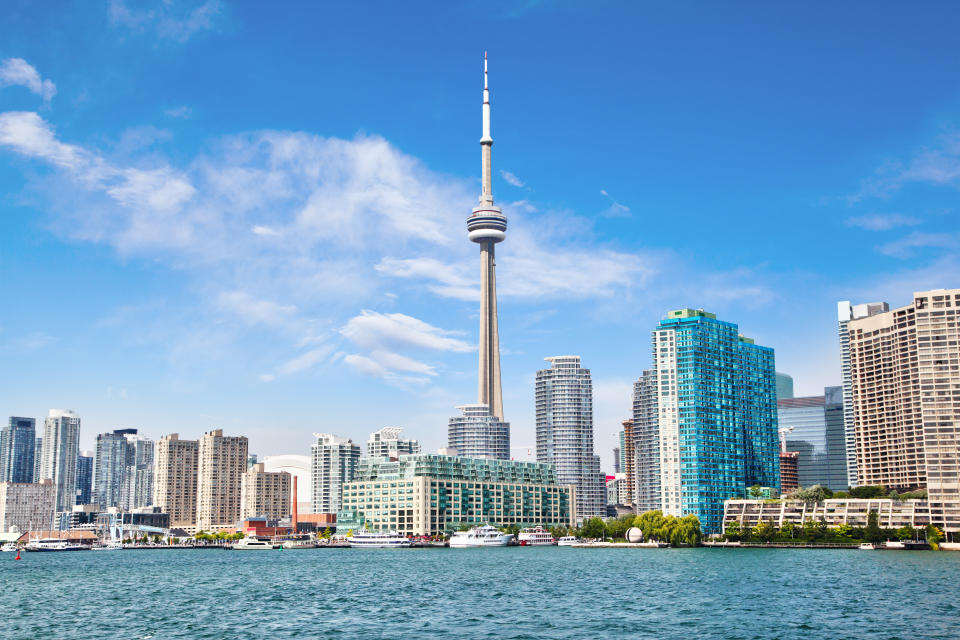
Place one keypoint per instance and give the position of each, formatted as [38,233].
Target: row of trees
[654,525]
[816,493]
[219,536]
[817,531]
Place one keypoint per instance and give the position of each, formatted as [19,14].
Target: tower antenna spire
[486,193]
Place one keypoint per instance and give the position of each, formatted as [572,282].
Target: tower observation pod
[487,226]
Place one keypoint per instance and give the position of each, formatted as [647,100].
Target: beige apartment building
[175,479]
[905,373]
[220,468]
[27,506]
[855,512]
[265,494]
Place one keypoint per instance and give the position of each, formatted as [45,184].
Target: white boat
[10,546]
[366,539]
[51,544]
[251,543]
[109,546]
[866,546]
[568,541]
[894,544]
[485,536]
[535,536]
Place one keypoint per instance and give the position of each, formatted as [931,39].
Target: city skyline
[189,300]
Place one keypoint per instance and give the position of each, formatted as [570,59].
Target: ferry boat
[535,536]
[108,546]
[253,544]
[485,536]
[568,541]
[366,539]
[53,544]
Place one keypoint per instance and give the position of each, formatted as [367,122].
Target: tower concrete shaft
[487,226]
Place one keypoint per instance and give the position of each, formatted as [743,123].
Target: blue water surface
[519,593]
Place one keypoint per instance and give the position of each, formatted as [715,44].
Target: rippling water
[478,593]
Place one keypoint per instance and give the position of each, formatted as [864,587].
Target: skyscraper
[138,473]
[109,468]
[61,435]
[84,477]
[784,386]
[477,434]
[845,313]
[564,406]
[646,443]
[17,450]
[221,463]
[716,415]
[905,382]
[387,443]
[37,458]
[813,428]
[175,479]
[628,464]
[334,463]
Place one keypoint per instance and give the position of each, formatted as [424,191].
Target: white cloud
[267,377]
[175,20]
[34,341]
[183,112]
[253,312]
[305,360]
[882,221]
[384,331]
[908,245]
[262,230]
[19,72]
[938,164]
[511,178]
[616,210]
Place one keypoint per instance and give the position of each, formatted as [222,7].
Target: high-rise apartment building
[61,436]
[905,381]
[17,450]
[784,386]
[84,477]
[646,443]
[109,468]
[478,434]
[221,463]
[387,443]
[813,428]
[564,408]
[716,415]
[37,458]
[138,481]
[789,471]
[175,479]
[845,313]
[334,464]
[264,494]
[27,506]
[628,465]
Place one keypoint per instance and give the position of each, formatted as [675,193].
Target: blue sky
[235,215]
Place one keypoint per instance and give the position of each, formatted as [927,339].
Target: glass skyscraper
[715,395]
[813,428]
[17,450]
[61,434]
[84,477]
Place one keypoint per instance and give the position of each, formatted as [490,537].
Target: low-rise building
[892,514]
[428,494]
[26,506]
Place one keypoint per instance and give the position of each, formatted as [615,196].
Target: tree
[756,492]
[873,533]
[906,533]
[787,529]
[593,528]
[764,531]
[934,536]
[868,491]
[811,530]
[733,532]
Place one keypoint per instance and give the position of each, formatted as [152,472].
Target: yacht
[485,536]
[866,546]
[53,544]
[366,539]
[251,543]
[108,546]
[535,536]
[10,546]
[568,541]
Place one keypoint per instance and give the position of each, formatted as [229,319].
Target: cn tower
[487,226]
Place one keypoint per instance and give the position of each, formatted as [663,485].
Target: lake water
[534,593]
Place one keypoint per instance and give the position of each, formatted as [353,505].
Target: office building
[784,386]
[61,436]
[845,313]
[27,506]
[221,463]
[17,450]
[138,481]
[564,410]
[109,468]
[334,464]
[813,428]
[265,494]
[84,477]
[251,460]
[716,415]
[475,433]
[175,479]
[387,443]
[37,458]
[618,457]
[646,443]
[905,382]
[425,494]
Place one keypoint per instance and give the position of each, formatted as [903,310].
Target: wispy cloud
[253,312]
[373,330]
[19,72]
[907,246]
[938,164]
[511,178]
[183,112]
[176,20]
[882,221]
[616,209]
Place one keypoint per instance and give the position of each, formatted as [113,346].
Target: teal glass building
[716,420]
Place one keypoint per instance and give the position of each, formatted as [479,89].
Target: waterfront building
[175,479]
[646,443]
[478,434]
[298,466]
[564,409]
[784,386]
[387,443]
[61,436]
[789,473]
[265,494]
[845,313]
[430,494]
[221,463]
[27,505]
[628,464]
[109,467]
[905,379]
[717,420]
[813,427]
[37,457]
[138,473]
[334,464]
[17,450]
[892,514]
[84,477]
